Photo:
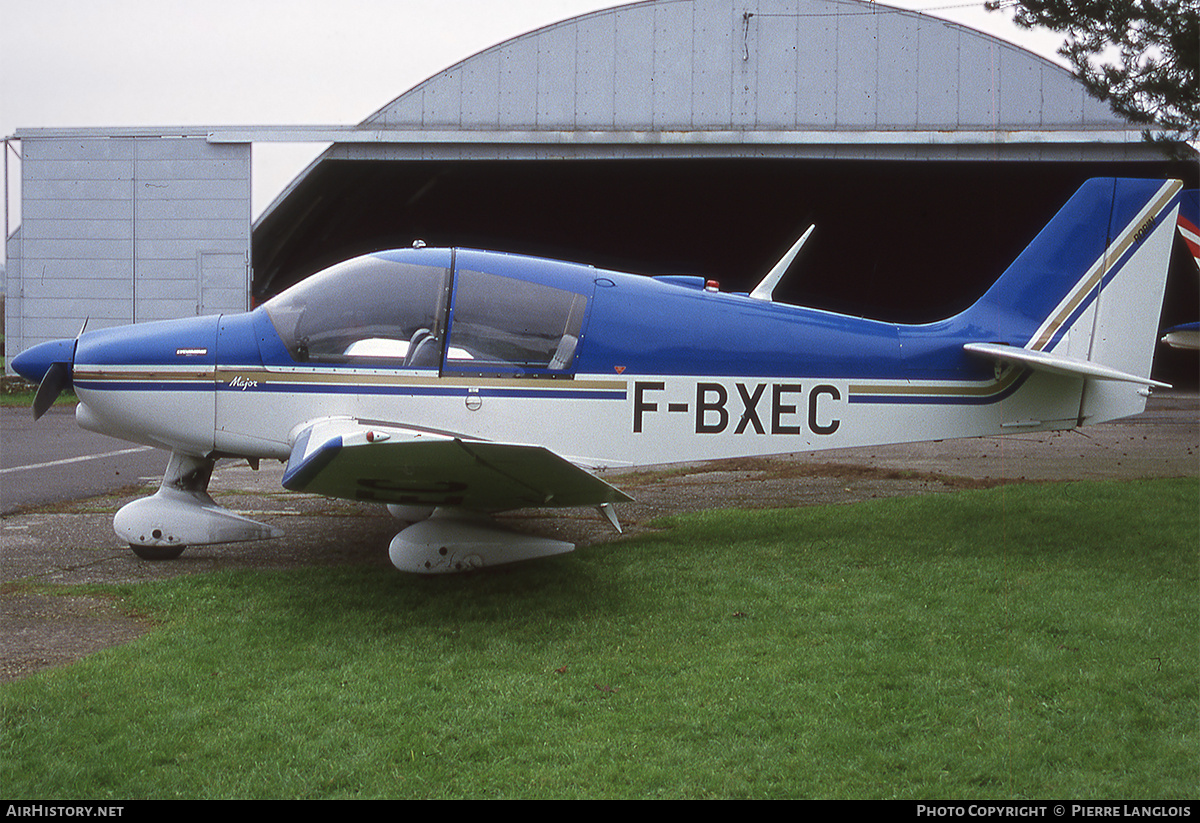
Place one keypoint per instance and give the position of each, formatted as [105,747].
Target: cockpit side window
[369,310]
[502,325]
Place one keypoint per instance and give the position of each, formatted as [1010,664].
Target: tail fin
[1086,295]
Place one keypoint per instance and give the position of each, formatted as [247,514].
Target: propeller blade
[54,381]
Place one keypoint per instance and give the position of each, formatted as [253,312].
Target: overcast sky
[263,62]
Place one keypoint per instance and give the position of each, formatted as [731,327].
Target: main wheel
[157,552]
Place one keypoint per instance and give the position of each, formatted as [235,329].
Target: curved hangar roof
[715,82]
[749,73]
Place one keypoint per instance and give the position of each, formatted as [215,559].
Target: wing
[391,464]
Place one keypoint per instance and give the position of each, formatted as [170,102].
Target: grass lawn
[17,391]
[1035,641]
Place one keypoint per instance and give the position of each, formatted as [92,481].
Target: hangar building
[666,136]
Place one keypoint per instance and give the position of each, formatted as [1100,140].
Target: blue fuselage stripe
[932,397]
[929,395]
[352,389]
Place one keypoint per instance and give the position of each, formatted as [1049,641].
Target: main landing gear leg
[181,514]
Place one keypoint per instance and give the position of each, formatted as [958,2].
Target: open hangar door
[894,240]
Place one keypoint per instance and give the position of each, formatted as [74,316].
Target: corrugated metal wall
[126,229]
[702,65]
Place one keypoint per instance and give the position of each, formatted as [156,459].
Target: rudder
[1128,306]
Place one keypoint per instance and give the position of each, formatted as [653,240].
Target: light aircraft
[1187,335]
[451,384]
[1184,336]
[1188,222]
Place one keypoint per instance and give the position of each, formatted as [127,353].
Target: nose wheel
[157,552]
[181,514]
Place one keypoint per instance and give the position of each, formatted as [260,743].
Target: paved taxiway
[52,459]
[67,537]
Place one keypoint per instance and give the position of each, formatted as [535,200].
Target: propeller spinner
[49,365]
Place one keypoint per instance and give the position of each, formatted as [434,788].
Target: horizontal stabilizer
[1043,361]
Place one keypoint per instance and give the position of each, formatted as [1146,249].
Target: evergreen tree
[1140,55]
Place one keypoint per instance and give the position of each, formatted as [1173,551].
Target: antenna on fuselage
[765,289]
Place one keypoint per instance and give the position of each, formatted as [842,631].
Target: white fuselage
[592,420]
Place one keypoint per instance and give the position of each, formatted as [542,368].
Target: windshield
[366,309]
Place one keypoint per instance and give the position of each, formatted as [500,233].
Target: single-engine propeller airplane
[451,384]
[1187,335]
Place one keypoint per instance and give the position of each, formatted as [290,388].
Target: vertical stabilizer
[1088,291]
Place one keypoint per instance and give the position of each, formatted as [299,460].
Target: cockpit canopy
[418,310]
